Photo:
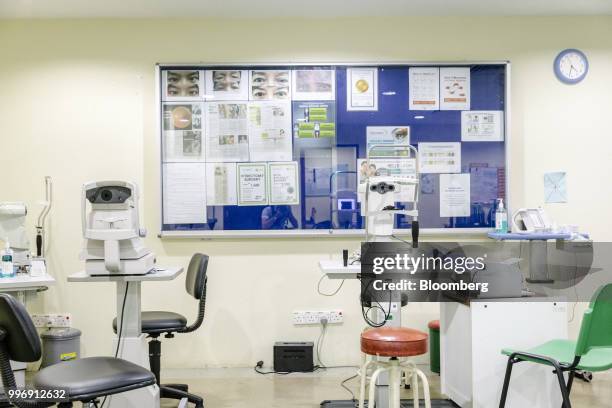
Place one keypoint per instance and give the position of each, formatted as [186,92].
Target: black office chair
[84,380]
[155,323]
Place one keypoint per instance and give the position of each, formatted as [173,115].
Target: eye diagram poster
[314,84]
[455,88]
[454,195]
[284,183]
[182,85]
[184,187]
[362,89]
[270,131]
[227,85]
[182,128]
[252,185]
[270,84]
[227,138]
[440,157]
[482,126]
[387,135]
[314,119]
[424,88]
[221,184]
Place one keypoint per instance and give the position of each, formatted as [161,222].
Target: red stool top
[434,325]
[393,342]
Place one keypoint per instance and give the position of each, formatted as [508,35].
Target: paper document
[362,89]
[388,135]
[454,195]
[184,187]
[314,85]
[221,184]
[455,88]
[314,119]
[270,131]
[424,88]
[482,126]
[389,167]
[182,131]
[284,183]
[252,184]
[227,136]
[227,85]
[440,157]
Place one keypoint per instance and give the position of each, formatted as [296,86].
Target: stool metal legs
[396,369]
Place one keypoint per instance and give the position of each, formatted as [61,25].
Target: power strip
[314,317]
[52,320]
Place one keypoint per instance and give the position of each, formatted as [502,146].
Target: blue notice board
[207,132]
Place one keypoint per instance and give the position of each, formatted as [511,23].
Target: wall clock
[571,66]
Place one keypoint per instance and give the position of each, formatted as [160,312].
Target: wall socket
[52,320]
[314,316]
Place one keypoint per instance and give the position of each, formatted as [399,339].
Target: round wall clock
[571,66]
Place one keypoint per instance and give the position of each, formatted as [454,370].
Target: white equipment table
[18,286]
[133,345]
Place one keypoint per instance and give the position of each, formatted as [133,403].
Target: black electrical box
[290,357]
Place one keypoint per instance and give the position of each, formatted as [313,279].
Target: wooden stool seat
[394,342]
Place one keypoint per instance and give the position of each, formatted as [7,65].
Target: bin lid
[61,333]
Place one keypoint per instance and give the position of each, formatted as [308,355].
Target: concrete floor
[242,388]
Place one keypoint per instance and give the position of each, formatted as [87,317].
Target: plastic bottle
[501,218]
[7,261]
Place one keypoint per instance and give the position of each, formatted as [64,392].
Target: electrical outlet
[52,320]
[315,316]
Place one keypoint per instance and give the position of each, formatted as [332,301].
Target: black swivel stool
[84,380]
[155,323]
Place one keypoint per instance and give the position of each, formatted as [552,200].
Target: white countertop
[25,282]
[158,274]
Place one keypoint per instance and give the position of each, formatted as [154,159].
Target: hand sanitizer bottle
[7,261]
[501,218]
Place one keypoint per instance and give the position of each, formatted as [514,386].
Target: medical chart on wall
[362,89]
[270,85]
[182,130]
[388,167]
[221,184]
[555,187]
[439,157]
[314,119]
[227,137]
[227,85]
[252,183]
[184,200]
[387,135]
[270,136]
[183,85]
[314,84]
[424,88]
[454,195]
[284,183]
[482,126]
[455,88]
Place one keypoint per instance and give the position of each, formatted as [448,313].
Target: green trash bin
[434,346]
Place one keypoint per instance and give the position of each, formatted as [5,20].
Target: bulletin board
[278,150]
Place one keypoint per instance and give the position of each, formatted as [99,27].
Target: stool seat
[394,342]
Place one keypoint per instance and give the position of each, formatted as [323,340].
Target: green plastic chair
[592,351]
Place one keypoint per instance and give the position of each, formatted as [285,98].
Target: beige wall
[77,103]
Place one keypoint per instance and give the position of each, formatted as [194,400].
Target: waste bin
[60,345]
[434,346]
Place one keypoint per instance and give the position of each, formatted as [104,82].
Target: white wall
[77,103]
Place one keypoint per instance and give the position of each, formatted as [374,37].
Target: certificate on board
[455,88]
[362,89]
[252,185]
[283,183]
[424,88]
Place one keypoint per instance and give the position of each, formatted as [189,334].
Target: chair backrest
[596,329]
[21,339]
[195,283]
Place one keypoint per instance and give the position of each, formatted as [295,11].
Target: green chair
[592,351]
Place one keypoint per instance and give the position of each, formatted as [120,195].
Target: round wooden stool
[394,343]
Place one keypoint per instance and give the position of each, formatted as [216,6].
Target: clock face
[571,66]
